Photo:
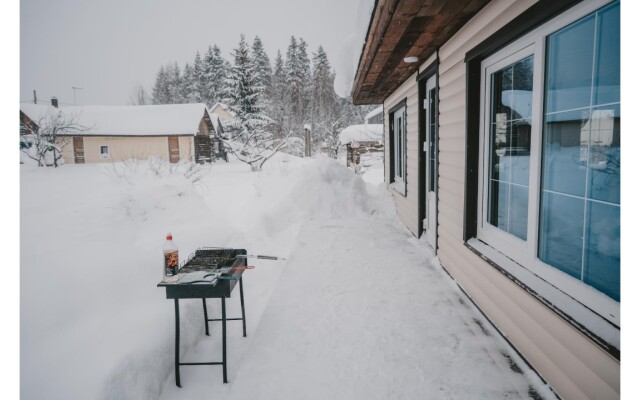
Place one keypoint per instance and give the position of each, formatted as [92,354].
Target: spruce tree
[261,68]
[278,106]
[294,85]
[175,84]
[305,78]
[215,72]
[187,84]
[198,83]
[160,93]
[250,141]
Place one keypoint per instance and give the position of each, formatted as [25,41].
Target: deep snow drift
[94,324]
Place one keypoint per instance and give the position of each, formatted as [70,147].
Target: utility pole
[35,98]
[74,94]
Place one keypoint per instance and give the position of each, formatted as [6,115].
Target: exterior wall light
[411,59]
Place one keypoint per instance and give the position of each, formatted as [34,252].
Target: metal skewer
[275,258]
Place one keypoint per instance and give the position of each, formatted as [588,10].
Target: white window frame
[399,120]
[525,253]
[105,156]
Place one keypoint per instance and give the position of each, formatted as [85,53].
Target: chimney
[54,102]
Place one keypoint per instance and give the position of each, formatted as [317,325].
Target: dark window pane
[498,207]
[570,65]
[432,139]
[607,79]
[561,232]
[510,144]
[602,256]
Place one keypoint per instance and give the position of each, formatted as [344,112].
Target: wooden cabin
[502,147]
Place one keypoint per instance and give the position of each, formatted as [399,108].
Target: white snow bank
[361,133]
[93,323]
[149,120]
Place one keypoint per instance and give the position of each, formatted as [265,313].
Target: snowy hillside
[95,326]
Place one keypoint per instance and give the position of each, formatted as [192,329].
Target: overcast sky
[108,47]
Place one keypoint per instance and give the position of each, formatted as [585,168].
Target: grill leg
[177,362]
[224,339]
[206,317]
[244,321]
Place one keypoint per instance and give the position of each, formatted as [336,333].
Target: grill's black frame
[208,259]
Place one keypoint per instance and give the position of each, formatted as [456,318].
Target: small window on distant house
[398,138]
[104,151]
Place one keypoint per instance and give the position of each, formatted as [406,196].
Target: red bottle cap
[169,237]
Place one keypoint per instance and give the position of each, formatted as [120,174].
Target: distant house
[361,139]
[502,148]
[171,132]
[223,113]
[375,116]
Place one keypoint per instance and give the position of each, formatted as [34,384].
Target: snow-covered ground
[360,309]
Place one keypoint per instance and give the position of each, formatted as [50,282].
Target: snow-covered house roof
[373,113]
[222,110]
[361,133]
[149,120]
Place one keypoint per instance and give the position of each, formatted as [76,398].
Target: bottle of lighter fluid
[170,267]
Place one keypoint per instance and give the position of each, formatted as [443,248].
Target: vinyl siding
[186,147]
[570,362]
[120,148]
[407,207]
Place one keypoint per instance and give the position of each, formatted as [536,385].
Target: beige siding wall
[185,144]
[122,148]
[407,206]
[571,363]
[66,145]
[574,366]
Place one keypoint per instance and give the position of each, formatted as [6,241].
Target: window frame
[108,154]
[516,258]
[398,148]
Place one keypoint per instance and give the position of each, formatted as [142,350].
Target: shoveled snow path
[362,310]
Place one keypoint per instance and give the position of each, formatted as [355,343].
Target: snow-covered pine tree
[278,106]
[261,68]
[174,84]
[322,84]
[294,84]
[304,72]
[214,75]
[198,82]
[325,110]
[249,139]
[160,93]
[186,88]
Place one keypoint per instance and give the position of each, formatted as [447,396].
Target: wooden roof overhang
[403,28]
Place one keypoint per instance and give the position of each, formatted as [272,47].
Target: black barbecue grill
[219,278]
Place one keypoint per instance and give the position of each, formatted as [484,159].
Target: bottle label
[171,263]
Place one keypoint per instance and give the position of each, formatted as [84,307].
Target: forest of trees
[273,101]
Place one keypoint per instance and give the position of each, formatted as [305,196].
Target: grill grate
[210,258]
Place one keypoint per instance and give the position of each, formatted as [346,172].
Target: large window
[549,191]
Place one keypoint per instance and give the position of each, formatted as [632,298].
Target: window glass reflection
[510,147]
[580,200]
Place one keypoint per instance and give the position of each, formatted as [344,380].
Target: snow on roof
[373,112]
[361,133]
[222,106]
[150,120]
